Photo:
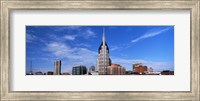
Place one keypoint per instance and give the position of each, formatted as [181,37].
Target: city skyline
[78,45]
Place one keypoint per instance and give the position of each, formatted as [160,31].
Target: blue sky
[152,46]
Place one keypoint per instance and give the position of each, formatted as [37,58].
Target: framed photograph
[80,54]
[100,50]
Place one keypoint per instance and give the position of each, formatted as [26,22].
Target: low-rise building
[79,70]
[66,73]
[38,73]
[115,69]
[139,69]
[49,73]
[167,72]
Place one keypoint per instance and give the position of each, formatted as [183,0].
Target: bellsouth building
[103,60]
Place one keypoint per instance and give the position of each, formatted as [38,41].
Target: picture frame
[7,6]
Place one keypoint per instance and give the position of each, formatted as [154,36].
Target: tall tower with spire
[103,60]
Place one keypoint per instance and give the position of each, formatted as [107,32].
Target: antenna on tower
[104,37]
[31,66]
[103,30]
[31,73]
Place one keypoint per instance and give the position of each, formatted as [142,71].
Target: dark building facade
[167,72]
[79,70]
[38,73]
[66,73]
[49,73]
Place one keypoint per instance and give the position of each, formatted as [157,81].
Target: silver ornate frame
[8,5]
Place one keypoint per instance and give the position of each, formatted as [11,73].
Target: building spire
[104,38]
[31,72]
[103,57]
[31,66]
[104,31]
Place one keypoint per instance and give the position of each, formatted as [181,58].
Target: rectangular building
[79,70]
[115,69]
[139,68]
[57,67]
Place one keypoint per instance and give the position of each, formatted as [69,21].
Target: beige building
[57,67]
[115,69]
[103,57]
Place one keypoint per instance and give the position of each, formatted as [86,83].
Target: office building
[94,73]
[103,56]
[66,73]
[49,73]
[115,69]
[38,73]
[129,72]
[138,68]
[57,67]
[150,69]
[167,72]
[92,68]
[79,70]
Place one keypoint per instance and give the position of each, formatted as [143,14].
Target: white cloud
[159,66]
[59,49]
[113,48]
[77,31]
[70,37]
[74,27]
[62,28]
[83,45]
[52,36]
[156,65]
[88,33]
[119,46]
[30,37]
[72,56]
[151,33]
